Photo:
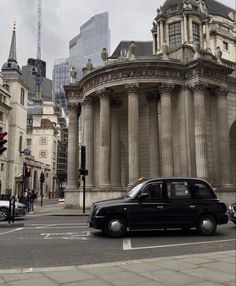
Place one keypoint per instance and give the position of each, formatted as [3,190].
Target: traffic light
[27,172]
[42,177]
[2,142]
[83,157]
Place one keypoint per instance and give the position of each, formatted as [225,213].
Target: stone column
[166,130]
[185,29]
[161,33]
[223,135]
[207,35]
[71,193]
[133,131]
[184,131]
[104,150]
[115,143]
[199,90]
[158,37]
[154,159]
[89,139]
[190,30]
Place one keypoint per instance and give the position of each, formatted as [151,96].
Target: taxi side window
[154,190]
[201,191]
[178,190]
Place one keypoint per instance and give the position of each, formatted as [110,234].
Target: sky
[61,21]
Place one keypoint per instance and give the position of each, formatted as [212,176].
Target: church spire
[12,54]
[11,64]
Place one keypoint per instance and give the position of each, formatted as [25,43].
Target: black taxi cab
[152,204]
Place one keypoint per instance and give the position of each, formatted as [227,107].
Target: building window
[175,38]
[196,32]
[43,154]
[22,97]
[20,143]
[226,46]
[29,141]
[2,167]
[1,116]
[43,141]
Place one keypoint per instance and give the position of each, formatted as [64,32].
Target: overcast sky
[61,21]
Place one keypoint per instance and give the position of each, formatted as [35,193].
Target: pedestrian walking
[26,200]
[31,198]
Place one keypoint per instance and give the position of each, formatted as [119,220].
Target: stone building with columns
[169,111]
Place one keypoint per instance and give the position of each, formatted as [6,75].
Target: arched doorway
[233,152]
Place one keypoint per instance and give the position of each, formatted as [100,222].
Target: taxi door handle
[192,207]
[160,207]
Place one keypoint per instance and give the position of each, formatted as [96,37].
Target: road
[49,241]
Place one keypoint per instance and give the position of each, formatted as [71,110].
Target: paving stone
[93,282]
[1,281]
[231,283]
[20,276]
[124,278]
[222,266]
[172,277]
[100,270]
[178,265]
[206,283]
[68,276]
[142,267]
[34,282]
[210,274]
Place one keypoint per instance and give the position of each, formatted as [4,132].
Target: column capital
[88,101]
[166,88]
[74,107]
[115,103]
[104,93]
[221,91]
[131,87]
[198,86]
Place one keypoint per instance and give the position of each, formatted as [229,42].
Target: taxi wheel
[206,225]
[3,214]
[115,226]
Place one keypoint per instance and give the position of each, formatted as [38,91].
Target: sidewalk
[56,210]
[210,269]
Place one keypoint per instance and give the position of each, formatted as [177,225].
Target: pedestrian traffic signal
[2,142]
[83,158]
[27,172]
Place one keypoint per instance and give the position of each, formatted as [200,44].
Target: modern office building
[60,77]
[29,73]
[93,37]
[166,111]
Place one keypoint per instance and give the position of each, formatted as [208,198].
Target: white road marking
[13,230]
[45,226]
[66,235]
[128,246]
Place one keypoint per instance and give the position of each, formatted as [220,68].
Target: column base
[72,198]
[227,193]
[99,194]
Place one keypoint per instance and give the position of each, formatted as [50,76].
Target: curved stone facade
[167,114]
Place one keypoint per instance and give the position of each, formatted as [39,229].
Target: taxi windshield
[134,190]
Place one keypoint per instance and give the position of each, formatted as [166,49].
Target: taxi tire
[115,226]
[206,225]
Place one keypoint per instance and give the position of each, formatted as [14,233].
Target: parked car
[4,209]
[161,203]
[232,213]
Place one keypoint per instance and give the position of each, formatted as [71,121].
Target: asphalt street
[46,241]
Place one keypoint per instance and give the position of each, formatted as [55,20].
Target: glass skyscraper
[93,37]
[61,77]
